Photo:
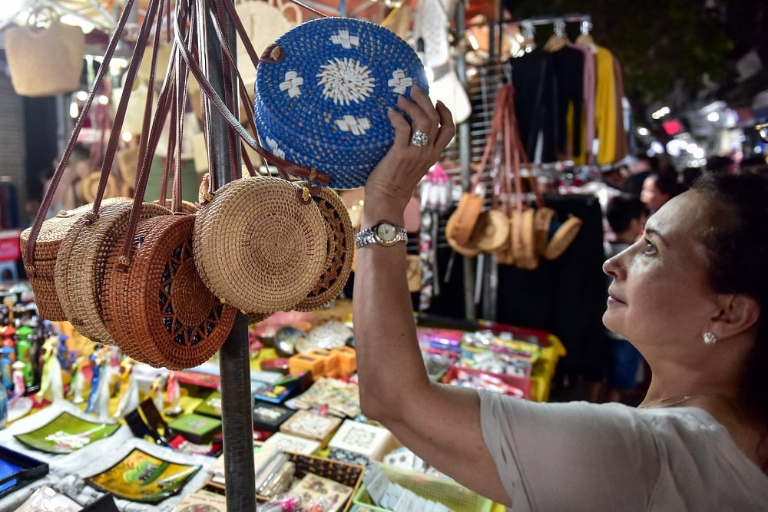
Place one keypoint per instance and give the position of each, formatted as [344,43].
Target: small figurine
[51,386]
[95,362]
[8,334]
[19,387]
[100,405]
[77,385]
[172,395]
[156,392]
[6,370]
[129,389]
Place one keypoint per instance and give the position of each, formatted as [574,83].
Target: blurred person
[626,217]
[691,295]
[689,175]
[756,164]
[719,164]
[658,188]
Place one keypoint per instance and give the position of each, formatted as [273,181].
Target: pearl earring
[710,338]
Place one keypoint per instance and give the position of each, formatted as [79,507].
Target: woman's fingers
[401,126]
[447,127]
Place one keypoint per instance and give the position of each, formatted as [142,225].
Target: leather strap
[114,137]
[29,262]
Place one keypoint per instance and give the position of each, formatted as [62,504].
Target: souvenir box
[370,441]
[196,428]
[269,417]
[18,470]
[211,406]
[295,444]
[312,426]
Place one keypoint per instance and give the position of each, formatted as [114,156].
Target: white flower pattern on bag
[345,81]
[292,84]
[356,125]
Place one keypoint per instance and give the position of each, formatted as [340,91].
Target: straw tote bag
[40,243]
[44,61]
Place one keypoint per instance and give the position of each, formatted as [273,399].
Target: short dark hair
[666,182]
[622,210]
[736,238]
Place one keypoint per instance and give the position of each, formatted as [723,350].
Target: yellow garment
[605,106]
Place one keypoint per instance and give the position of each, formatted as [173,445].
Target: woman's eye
[649,247]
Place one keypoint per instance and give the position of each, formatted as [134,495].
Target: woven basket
[338,262]
[45,62]
[88,186]
[82,261]
[324,105]
[254,318]
[47,247]
[258,247]
[159,311]
[186,206]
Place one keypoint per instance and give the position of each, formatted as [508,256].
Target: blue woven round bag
[324,105]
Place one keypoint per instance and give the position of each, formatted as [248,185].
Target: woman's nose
[612,267]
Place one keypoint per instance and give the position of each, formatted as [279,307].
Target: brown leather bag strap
[133,68]
[244,97]
[490,145]
[114,39]
[205,86]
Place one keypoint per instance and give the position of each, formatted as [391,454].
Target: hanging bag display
[82,260]
[45,60]
[155,303]
[40,243]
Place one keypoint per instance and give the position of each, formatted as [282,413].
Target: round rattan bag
[259,246]
[82,260]
[159,311]
[47,247]
[341,251]
[324,104]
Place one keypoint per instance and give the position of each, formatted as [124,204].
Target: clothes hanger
[585,38]
[558,40]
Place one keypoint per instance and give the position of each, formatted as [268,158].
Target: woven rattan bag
[82,261]
[158,310]
[324,104]
[45,61]
[49,240]
[259,246]
[340,236]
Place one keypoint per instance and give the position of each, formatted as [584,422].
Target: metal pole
[468,267]
[234,360]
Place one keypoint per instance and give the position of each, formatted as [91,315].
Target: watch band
[369,236]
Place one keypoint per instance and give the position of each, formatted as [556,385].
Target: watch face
[386,232]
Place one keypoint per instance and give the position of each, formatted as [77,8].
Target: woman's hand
[391,184]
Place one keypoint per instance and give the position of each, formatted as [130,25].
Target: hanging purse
[155,303]
[324,103]
[40,243]
[82,260]
[340,236]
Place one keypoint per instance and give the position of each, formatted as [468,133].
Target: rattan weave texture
[338,262]
[258,247]
[82,261]
[324,105]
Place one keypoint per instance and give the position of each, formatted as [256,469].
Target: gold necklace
[673,400]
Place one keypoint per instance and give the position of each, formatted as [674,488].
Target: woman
[689,295]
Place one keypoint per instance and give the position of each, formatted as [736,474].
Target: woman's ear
[737,313]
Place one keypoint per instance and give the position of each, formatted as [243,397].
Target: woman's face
[660,292]
[651,196]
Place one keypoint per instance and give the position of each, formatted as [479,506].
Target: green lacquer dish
[143,478]
[66,434]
